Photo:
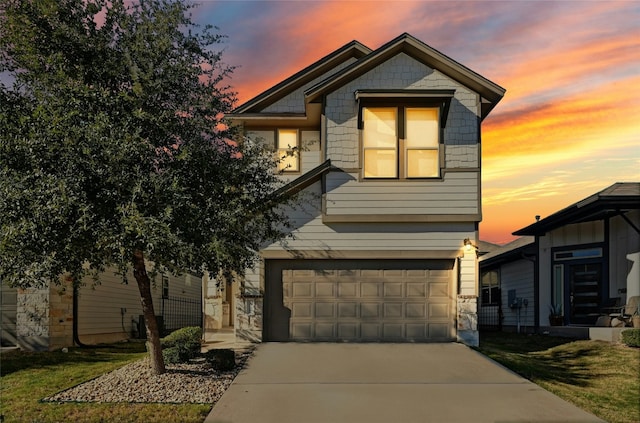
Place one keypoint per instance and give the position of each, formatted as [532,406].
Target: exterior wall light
[468,245]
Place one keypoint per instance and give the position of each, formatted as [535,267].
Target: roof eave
[354,49]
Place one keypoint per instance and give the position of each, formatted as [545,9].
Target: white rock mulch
[193,382]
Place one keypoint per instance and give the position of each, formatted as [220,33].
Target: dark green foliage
[114,148]
[223,360]
[631,337]
[173,355]
[182,345]
[113,139]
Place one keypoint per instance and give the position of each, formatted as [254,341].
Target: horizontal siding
[519,276]
[310,233]
[99,306]
[8,301]
[457,193]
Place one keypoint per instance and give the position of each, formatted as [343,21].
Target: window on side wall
[288,150]
[165,286]
[401,142]
[490,288]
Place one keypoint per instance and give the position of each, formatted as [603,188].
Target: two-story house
[389,162]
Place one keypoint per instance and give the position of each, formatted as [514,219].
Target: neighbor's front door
[584,287]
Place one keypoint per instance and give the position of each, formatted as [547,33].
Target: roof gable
[352,50]
[611,201]
[491,93]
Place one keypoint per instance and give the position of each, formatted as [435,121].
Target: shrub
[172,355]
[181,345]
[223,360]
[631,337]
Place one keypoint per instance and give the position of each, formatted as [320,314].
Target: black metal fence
[179,313]
[490,317]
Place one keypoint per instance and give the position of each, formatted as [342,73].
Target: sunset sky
[569,124]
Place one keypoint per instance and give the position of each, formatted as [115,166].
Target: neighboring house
[583,259]
[586,255]
[507,299]
[51,318]
[387,154]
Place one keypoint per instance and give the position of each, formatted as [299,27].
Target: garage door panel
[325,289]
[393,331]
[438,311]
[348,290]
[439,330]
[416,330]
[348,331]
[415,310]
[416,290]
[368,303]
[370,331]
[301,330]
[325,310]
[371,289]
[325,331]
[392,310]
[393,290]
[348,309]
[302,289]
[438,289]
[370,310]
[301,310]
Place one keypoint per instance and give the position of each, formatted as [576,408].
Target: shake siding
[518,275]
[399,72]
[8,302]
[312,234]
[294,102]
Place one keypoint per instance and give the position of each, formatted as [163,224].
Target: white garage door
[399,301]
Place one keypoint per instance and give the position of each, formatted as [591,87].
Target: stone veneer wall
[44,318]
[467,300]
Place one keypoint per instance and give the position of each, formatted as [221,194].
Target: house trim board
[359,254]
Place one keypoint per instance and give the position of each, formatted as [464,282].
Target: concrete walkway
[373,383]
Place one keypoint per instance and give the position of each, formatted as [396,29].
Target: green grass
[599,377]
[26,378]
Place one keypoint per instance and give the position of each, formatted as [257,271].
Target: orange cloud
[573,125]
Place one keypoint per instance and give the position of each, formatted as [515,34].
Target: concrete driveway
[372,383]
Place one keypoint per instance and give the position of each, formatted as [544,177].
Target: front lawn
[26,378]
[599,377]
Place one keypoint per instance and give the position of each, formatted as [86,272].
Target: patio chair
[627,311]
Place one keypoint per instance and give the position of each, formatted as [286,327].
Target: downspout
[76,338]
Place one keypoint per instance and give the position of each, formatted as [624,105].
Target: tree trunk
[153,334]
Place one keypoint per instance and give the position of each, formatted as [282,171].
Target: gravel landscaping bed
[193,382]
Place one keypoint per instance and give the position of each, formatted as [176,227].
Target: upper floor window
[401,142]
[288,150]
